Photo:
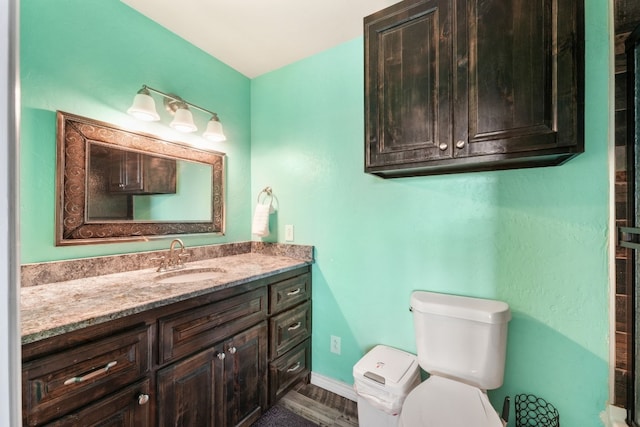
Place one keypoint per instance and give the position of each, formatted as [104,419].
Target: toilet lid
[441,402]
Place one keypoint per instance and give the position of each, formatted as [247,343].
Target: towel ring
[268,192]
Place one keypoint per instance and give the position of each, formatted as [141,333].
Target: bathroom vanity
[142,348]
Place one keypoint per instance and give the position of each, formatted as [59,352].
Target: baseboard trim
[614,416]
[334,386]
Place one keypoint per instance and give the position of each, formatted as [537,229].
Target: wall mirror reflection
[115,185]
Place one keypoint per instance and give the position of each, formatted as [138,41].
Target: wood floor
[320,406]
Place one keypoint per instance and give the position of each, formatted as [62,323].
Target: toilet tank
[461,337]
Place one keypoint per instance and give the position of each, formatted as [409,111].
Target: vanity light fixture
[214,130]
[183,120]
[144,108]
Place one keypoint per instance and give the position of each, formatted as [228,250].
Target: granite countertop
[55,308]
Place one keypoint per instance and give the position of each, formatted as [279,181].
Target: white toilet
[461,342]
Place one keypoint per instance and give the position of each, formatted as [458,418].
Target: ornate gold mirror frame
[73,226]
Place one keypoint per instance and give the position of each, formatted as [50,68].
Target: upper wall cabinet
[472,85]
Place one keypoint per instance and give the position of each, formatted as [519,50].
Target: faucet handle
[181,256]
[163,263]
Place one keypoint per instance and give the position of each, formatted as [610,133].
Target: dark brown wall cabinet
[216,360]
[137,173]
[472,85]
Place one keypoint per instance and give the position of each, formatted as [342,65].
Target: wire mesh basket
[533,411]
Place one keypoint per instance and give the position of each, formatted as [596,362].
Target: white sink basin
[189,275]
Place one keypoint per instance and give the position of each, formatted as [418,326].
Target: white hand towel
[260,226]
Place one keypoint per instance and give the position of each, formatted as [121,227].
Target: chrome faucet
[173,261]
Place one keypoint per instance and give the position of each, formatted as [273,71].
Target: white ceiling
[258,36]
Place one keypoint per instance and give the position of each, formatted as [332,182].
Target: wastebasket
[382,379]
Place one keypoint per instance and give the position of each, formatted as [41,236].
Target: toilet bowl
[441,402]
[461,343]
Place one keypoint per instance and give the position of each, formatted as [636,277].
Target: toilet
[461,342]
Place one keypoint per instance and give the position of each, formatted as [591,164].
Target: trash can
[382,379]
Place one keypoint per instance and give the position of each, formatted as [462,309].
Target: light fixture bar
[177,99]
[144,108]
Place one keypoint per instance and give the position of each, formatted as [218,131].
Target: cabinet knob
[443,146]
[232,350]
[143,399]
[460,143]
[221,356]
[121,185]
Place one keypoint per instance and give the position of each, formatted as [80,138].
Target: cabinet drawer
[185,333]
[288,293]
[127,408]
[56,385]
[287,370]
[289,329]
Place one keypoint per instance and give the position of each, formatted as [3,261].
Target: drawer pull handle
[143,399]
[91,374]
[295,326]
[221,356]
[292,293]
[232,350]
[294,367]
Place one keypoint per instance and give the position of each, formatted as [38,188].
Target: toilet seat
[441,402]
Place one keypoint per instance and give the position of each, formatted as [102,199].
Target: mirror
[128,185]
[115,185]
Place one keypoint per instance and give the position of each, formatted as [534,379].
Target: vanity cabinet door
[189,391]
[246,376]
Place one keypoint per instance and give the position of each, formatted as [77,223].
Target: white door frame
[10,359]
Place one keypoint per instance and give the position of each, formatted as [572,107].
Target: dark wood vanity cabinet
[219,359]
[458,85]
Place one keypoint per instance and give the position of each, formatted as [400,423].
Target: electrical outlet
[335,344]
[288,233]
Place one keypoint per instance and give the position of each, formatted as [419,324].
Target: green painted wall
[535,238]
[90,57]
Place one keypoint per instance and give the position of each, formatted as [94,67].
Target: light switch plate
[288,233]
[335,344]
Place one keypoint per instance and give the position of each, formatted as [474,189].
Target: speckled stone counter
[55,308]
